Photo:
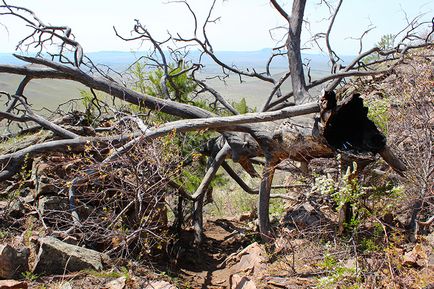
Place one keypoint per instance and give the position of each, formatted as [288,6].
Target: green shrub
[379,113]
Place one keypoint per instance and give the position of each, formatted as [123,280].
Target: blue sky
[244,24]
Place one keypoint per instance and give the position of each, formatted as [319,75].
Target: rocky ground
[229,258]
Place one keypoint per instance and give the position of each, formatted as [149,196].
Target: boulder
[13,262]
[56,257]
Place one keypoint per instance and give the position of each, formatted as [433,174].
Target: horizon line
[217,51]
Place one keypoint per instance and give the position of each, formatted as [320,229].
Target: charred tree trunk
[342,128]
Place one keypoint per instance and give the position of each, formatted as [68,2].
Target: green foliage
[329,262]
[349,189]
[10,143]
[386,42]
[379,113]
[338,276]
[277,208]
[368,245]
[25,172]
[138,71]
[181,89]
[91,105]
[346,190]
[30,276]
[190,180]
[125,272]
[231,201]
[242,202]
[242,106]
[3,234]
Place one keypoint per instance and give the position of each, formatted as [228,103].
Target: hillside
[52,93]
[66,212]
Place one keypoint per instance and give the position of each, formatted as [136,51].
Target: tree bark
[198,196]
[264,199]
[294,51]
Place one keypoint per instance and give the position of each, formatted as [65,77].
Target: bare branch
[280,10]
[331,52]
[276,88]
[218,97]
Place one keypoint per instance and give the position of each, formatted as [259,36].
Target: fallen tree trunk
[342,128]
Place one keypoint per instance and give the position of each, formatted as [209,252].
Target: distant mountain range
[120,60]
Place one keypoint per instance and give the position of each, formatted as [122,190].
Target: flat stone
[241,282]
[55,256]
[250,263]
[12,284]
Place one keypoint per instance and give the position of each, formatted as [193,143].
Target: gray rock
[303,215]
[44,187]
[17,209]
[55,256]
[43,184]
[52,203]
[13,262]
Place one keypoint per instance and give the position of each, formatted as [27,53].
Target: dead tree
[342,126]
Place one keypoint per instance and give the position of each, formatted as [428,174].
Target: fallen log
[342,128]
